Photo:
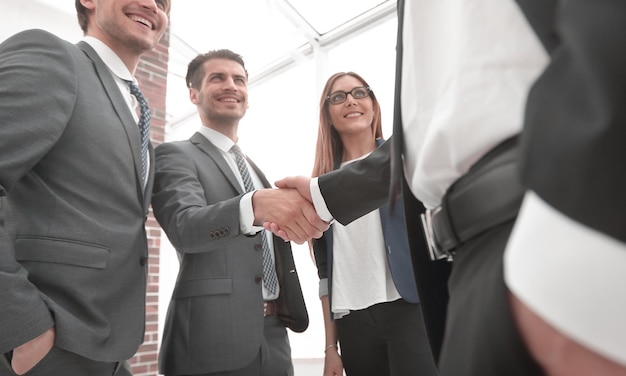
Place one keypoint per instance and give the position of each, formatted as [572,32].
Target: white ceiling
[266,32]
[271,35]
[263,31]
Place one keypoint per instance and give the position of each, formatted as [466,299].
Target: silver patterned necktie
[269,273]
[144,126]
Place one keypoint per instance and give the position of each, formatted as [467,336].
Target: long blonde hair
[329,146]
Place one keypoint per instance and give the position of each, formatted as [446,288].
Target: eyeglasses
[339,97]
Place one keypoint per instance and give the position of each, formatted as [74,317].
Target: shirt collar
[218,139]
[110,58]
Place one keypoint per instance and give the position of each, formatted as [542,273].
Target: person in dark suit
[228,314]
[74,193]
[534,291]
[367,285]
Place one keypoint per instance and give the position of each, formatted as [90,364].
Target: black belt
[489,194]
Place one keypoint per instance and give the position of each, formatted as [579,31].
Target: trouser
[481,338]
[386,339]
[59,362]
[472,226]
[274,357]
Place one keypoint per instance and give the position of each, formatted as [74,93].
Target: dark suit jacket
[574,131]
[215,318]
[73,248]
[573,140]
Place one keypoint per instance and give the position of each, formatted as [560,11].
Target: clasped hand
[288,211]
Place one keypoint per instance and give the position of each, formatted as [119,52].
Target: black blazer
[574,132]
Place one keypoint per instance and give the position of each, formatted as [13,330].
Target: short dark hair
[195,69]
[82,14]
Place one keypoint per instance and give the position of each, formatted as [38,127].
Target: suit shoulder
[172,145]
[37,37]
[40,51]
[173,148]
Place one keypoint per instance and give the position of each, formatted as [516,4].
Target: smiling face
[128,27]
[222,98]
[353,116]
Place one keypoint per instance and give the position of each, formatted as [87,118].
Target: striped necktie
[144,126]
[269,273]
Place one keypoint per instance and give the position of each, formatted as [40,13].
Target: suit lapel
[149,184]
[214,153]
[123,113]
[397,172]
[259,173]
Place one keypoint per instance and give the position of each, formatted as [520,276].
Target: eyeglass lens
[339,97]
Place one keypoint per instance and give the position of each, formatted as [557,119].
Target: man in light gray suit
[227,316]
[75,184]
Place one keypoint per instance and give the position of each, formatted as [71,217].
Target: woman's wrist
[330,347]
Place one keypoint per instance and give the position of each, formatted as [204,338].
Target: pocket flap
[61,251]
[204,286]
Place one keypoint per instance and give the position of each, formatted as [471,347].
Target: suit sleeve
[359,187]
[192,223]
[37,91]
[573,143]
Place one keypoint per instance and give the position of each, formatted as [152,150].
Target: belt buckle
[434,251]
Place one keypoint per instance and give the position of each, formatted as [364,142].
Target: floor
[308,367]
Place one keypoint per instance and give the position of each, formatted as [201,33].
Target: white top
[361,275]
[473,64]
[246,213]
[121,74]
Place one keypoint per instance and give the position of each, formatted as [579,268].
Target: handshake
[288,211]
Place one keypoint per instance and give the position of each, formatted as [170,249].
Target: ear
[193,95]
[89,4]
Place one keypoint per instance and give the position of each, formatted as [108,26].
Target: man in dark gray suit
[228,314]
[75,184]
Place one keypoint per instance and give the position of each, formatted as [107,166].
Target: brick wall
[152,76]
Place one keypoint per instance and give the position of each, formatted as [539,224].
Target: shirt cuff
[570,275]
[323,288]
[318,201]
[246,215]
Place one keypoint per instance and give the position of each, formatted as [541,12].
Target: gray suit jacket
[215,318]
[73,247]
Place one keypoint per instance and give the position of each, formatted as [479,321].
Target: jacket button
[143,261]
[258,247]
[258,279]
